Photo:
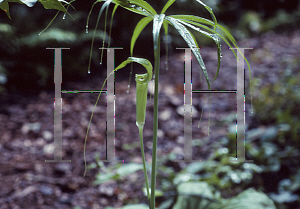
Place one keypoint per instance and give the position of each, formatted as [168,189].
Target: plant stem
[144,161]
[155,124]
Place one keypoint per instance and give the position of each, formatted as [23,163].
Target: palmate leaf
[197,20]
[188,38]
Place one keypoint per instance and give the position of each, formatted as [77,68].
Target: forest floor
[26,127]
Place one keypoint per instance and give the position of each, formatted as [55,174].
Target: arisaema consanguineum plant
[183,24]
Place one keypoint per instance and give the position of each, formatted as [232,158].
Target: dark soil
[27,181]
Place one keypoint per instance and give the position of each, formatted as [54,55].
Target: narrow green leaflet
[210,11]
[111,20]
[192,18]
[114,10]
[167,5]
[106,12]
[165,25]
[189,39]
[218,43]
[138,6]
[106,4]
[204,27]
[87,22]
[143,4]
[215,37]
[217,40]
[196,20]
[195,40]
[138,29]
[205,21]
[209,35]
[186,35]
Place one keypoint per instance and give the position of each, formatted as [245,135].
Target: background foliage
[20,40]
